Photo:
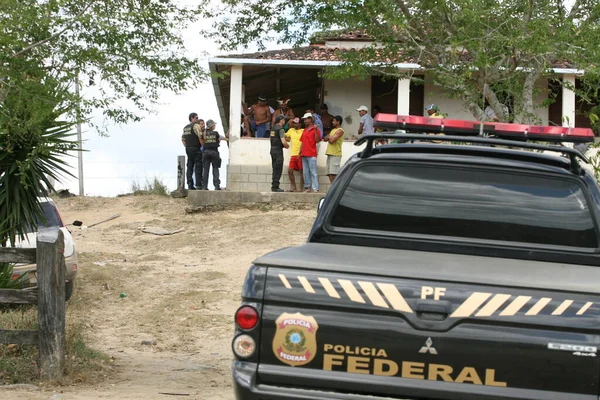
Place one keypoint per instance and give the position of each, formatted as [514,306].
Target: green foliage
[154,186]
[125,52]
[494,49]
[6,281]
[34,142]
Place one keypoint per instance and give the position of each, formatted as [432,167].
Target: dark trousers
[277,164]
[194,166]
[211,157]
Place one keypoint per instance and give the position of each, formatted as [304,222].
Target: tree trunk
[527,113]
[496,105]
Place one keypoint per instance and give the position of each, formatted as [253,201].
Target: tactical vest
[276,145]
[211,140]
[189,136]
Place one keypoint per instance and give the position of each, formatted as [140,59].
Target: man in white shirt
[366,121]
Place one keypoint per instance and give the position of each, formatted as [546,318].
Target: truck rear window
[467,203]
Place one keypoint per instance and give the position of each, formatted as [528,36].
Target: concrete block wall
[258,178]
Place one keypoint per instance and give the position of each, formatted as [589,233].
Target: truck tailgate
[380,324]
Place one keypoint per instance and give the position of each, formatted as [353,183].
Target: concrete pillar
[403,96]
[568,102]
[235,107]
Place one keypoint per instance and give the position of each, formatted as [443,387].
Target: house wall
[249,166]
[344,97]
[456,110]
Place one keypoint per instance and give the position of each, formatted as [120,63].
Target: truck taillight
[246,317]
[244,346]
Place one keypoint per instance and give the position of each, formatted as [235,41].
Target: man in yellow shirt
[334,148]
[434,112]
[293,136]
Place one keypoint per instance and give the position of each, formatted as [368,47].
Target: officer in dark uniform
[278,143]
[210,142]
[191,142]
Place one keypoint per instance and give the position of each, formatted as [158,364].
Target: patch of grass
[152,186]
[83,364]
[19,363]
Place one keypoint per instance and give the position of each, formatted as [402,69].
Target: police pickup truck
[466,269]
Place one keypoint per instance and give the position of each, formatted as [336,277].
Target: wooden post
[51,302]
[181,173]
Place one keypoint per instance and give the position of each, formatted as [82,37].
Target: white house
[296,72]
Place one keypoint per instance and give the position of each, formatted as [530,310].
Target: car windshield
[467,203]
[52,217]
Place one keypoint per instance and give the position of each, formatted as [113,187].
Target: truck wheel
[69,289]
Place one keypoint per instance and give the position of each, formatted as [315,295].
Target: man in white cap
[366,121]
[308,150]
[210,142]
[433,111]
[293,136]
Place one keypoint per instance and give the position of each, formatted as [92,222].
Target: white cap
[307,115]
[363,108]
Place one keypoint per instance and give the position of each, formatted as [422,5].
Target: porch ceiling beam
[321,64]
[291,63]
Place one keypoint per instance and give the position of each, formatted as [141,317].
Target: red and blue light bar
[501,129]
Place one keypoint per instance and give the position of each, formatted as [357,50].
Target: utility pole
[79,141]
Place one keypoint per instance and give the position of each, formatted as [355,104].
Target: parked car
[465,270]
[53,219]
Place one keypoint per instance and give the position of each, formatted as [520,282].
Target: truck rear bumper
[246,388]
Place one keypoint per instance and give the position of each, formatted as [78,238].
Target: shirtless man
[284,110]
[326,118]
[258,117]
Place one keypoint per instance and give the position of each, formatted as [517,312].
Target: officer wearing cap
[210,142]
[191,141]
[278,143]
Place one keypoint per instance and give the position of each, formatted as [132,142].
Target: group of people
[285,131]
[258,119]
[302,139]
[201,143]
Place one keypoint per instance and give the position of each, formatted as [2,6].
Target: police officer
[191,141]
[210,142]
[278,143]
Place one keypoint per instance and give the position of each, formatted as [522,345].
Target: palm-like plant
[34,142]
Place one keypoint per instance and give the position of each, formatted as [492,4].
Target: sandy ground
[181,292]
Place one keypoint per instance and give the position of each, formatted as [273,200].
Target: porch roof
[318,54]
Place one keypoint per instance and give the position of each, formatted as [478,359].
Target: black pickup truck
[467,269]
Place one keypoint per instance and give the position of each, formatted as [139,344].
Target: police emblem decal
[295,341]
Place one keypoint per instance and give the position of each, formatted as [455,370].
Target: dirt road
[181,292]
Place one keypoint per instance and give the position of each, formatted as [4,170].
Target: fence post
[180,173]
[51,302]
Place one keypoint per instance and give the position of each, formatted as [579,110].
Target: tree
[125,51]
[476,49]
